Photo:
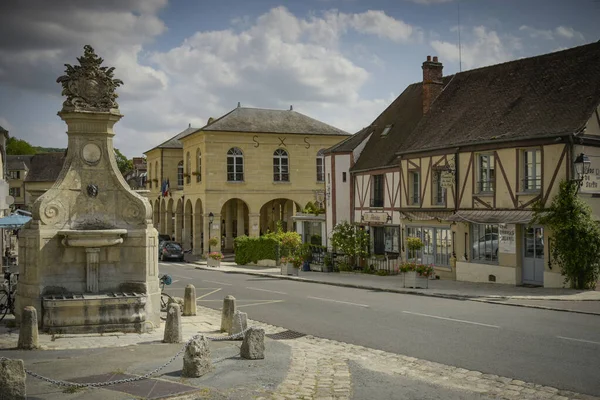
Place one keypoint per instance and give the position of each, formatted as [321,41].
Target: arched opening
[198,228]
[278,211]
[170,219]
[163,217]
[179,221]
[188,226]
[234,222]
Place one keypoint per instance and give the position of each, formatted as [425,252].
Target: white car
[486,247]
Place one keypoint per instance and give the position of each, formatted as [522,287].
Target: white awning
[493,216]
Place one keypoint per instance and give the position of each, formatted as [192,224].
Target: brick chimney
[432,82]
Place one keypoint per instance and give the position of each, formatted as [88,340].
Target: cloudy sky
[340,61]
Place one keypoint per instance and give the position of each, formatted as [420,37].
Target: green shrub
[249,249]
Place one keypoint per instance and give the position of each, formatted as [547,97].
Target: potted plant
[214,259]
[416,275]
[292,264]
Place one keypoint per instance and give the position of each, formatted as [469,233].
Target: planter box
[288,269]
[213,263]
[414,280]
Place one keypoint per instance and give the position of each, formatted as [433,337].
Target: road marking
[179,276]
[338,301]
[578,340]
[260,303]
[175,281]
[265,290]
[206,294]
[452,319]
[218,283]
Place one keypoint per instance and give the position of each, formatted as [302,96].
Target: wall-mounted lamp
[582,167]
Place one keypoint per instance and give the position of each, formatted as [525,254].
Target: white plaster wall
[553,280]
[472,272]
[342,189]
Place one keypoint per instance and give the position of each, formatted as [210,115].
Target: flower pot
[288,269]
[211,262]
[413,280]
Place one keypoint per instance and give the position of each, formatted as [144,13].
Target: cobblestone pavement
[319,367]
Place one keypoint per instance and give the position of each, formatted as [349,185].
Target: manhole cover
[145,388]
[285,335]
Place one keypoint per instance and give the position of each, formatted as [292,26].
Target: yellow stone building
[248,169]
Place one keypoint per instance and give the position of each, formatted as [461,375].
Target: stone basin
[92,238]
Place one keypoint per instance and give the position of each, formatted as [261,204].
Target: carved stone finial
[88,86]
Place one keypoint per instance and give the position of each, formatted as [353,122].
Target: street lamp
[582,167]
[211,218]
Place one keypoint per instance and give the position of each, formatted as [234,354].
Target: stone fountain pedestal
[89,259]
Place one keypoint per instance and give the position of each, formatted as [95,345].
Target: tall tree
[122,162]
[16,146]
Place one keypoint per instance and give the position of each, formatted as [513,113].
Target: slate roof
[552,94]
[45,167]
[350,143]
[259,120]
[18,162]
[174,142]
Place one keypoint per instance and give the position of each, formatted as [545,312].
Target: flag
[166,188]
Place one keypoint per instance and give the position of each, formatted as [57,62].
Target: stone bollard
[189,301]
[196,360]
[12,379]
[173,325]
[240,323]
[253,346]
[28,332]
[227,313]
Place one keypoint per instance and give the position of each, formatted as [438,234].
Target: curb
[495,300]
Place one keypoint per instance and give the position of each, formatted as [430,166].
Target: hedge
[252,249]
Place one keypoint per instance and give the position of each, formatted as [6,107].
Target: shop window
[486,174]
[532,170]
[437,242]
[377,191]
[484,241]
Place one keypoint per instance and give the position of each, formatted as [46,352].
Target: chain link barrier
[58,382]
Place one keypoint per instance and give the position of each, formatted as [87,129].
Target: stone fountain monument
[89,259]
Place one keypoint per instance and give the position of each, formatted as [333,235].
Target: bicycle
[165,298]
[8,295]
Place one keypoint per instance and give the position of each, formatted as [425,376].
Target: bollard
[12,379]
[240,323]
[196,360]
[28,332]
[189,301]
[173,326]
[227,313]
[253,346]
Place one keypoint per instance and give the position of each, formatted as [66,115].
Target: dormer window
[386,130]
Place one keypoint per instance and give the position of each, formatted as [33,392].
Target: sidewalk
[585,302]
[295,367]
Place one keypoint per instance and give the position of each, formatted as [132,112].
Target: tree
[123,163]
[350,240]
[575,236]
[16,146]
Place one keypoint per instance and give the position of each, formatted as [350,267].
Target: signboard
[591,181]
[507,239]
[447,179]
[375,218]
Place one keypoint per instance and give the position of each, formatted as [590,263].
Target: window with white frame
[414,190]
[14,191]
[198,165]
[484,242]
[180,174]
[486,174]
[281,166]
[437,248]
[437,190]
[188,168]
[14,174]
[532,169]
[235,165]
[321,166]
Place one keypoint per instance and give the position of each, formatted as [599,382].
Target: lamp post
[582,167]
[211,218]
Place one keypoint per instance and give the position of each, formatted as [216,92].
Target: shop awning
[14,221]
[426,215]
[492,216]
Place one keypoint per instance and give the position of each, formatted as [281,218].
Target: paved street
[551,348]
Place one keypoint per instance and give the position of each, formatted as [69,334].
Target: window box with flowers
[214,259]
[290,265]
[416,275]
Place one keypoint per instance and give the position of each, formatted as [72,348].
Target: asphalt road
[551,348]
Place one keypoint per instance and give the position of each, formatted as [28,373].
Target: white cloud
[481,47]
[428,2]
[560,32]
[537,33]
[568,33]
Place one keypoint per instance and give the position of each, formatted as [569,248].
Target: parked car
[169,250]
[486,247]
[163,238]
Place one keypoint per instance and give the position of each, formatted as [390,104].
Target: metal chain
[141,377]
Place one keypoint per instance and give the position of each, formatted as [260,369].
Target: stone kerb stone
[189,301]
[173,326]
[196,360]
[12,380]
[227,313]
[240,323]
[28,332]
[253,346]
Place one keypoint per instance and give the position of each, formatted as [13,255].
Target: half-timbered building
[460,160]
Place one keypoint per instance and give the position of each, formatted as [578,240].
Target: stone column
[213,231]
[186,241]
[229,225]
[178,227]
[163,221]
[198,229]
[289,211]
[254,222]
[92,264]
[170,223]
[240,218]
